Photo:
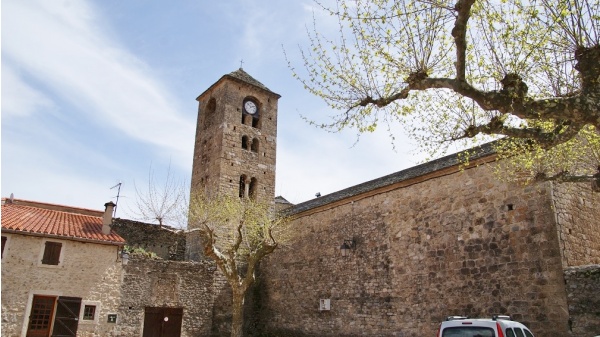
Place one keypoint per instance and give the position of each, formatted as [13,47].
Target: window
[209,116]
[510,333]
[468,332]
[242,191]
[252,188]
[52,253]
[4,238]
[519,332]
[254,147]
[89,312]
[256,122]
[527,333]
[251,113]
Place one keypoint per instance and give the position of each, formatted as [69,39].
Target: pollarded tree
[236,233]
[526,72]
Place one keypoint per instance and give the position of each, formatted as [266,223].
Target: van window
[468,331]
[519,332]
[527,333]
[510,333]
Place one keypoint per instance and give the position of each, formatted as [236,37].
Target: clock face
[250,107]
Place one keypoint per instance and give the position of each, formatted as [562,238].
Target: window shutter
[3,244]
[52,253]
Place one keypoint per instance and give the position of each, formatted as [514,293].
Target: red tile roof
[40,219]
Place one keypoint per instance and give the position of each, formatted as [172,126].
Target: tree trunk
[237,309]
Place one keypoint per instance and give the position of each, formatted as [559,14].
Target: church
[396,255]
[393,256]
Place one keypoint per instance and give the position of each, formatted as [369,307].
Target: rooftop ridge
[53,207]
[479,152]
[28,218]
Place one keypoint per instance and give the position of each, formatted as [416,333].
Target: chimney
[107,217]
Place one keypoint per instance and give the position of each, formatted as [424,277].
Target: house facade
[61,272]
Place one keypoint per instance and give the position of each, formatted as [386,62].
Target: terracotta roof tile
[33,220]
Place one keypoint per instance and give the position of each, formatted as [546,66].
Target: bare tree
[526,72]
[164,203]
[236,233]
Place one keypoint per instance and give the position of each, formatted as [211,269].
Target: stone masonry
[166,242]
[428,245]
[577,222]
[171,284]
[583,286]
[220,158]
[89,271]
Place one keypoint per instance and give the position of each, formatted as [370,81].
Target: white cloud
[18,98]
[64,47]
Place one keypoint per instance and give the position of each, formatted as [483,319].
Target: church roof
[40,219]
[241,75]
[486,150]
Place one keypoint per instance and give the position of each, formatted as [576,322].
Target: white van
[497,326]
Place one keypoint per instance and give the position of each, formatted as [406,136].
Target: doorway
[162,322]
[61,314]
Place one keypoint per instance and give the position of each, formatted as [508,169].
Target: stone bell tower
[236,136]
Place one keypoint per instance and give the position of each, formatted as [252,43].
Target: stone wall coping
[580,269]
[480,152]
[141,258]
[121,221]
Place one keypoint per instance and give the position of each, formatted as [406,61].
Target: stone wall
[219,159]
[166,242]
[89,271]
[171,284]
[583,287]
[578,217]
[455,243]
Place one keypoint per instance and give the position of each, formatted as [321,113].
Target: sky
[96,93]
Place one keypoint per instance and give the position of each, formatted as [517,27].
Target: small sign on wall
[112,318]
[324,304]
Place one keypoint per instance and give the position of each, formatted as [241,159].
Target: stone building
[61,270]
[236,138]
[420,244]
[430,242]
[63,274]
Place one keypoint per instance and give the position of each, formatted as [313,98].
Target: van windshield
[468,331]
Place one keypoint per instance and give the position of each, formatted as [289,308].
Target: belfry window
[242,188]
[245,142]
[252,188]
[209,113]
[255,145]
[251,113]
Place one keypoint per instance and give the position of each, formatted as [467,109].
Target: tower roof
[242,76]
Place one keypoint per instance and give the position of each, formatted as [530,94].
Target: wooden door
[66,320]
[162,322]
[40,317]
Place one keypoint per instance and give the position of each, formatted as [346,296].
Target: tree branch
[463,7]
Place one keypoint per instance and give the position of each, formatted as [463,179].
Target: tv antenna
[118,194]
